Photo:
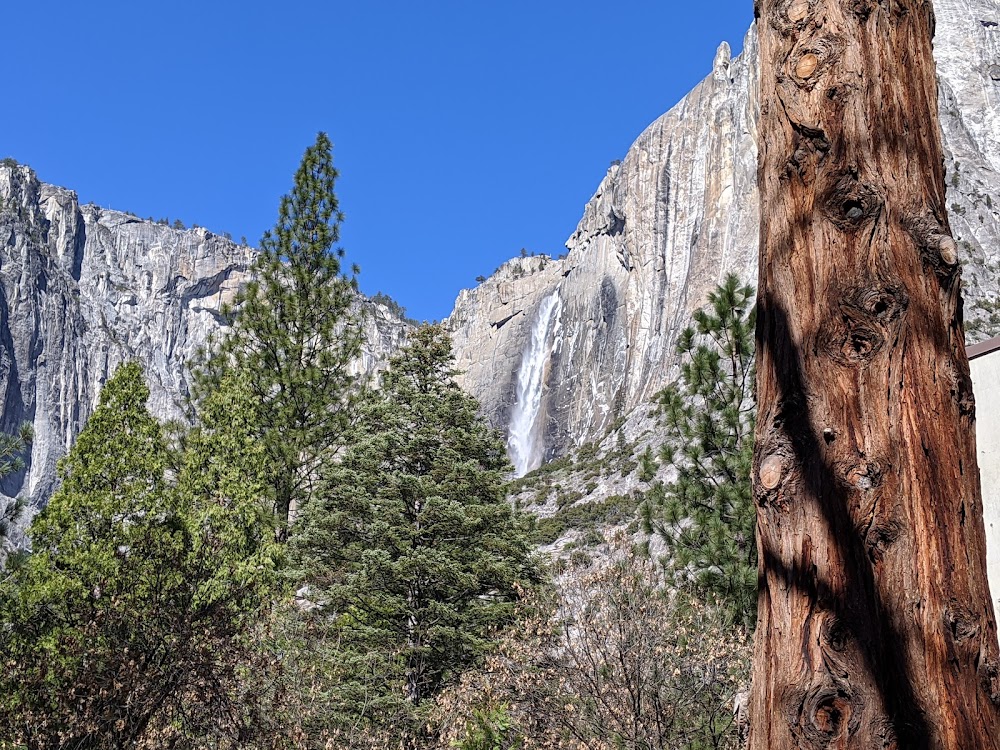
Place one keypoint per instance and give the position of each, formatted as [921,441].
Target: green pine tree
[412,550]
[295,335]
[12,448]
[126,623]
[706,515]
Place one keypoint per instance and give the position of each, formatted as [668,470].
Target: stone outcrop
[678,213]
[86,288]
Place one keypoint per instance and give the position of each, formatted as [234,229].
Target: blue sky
[463,130]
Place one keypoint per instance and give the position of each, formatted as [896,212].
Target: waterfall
[522,435]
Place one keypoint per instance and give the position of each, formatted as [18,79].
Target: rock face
[557,351]
[677,214]
[85,288]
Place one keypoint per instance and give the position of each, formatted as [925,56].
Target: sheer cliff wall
[678,213]
[85,288]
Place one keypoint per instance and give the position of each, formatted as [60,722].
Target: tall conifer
[412,550]
[706,514]
[294,334]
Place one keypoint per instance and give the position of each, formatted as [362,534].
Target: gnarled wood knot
[806,65]
[827,713]
[771,469]
[798,10]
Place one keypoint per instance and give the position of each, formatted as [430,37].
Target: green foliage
[411,549]
[987,322]
[12,448]
[706,516]
[610,511]
[647,465]
[380,298]
[294,335]
[127,621]
[491,728]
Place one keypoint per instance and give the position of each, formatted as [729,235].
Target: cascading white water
[522,435]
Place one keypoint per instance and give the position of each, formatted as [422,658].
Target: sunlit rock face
[85,289]
[663,227]
[967,50]
[678,213]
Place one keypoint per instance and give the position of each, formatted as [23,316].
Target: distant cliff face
[557,351]
[662,227]
[665,226]
[84,289]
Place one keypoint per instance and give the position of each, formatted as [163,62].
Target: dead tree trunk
[875,624]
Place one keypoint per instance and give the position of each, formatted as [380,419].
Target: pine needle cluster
[12,448]
[705,515]
[296,334]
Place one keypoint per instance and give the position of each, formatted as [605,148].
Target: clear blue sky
[464,130]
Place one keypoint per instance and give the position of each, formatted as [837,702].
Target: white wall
[986,386]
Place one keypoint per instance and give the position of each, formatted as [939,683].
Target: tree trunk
[875,625]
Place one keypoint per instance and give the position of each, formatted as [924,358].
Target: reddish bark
[875,628]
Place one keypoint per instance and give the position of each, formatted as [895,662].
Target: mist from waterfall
[522,434]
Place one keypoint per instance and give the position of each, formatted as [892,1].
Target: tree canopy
[295,334]
[411,550]
[125,626]
[706,514]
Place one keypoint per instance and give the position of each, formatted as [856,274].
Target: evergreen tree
[294,335]
[412,550]
[12,448]
[706,515]
[124,626]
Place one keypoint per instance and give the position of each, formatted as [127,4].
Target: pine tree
[125,624]
[294,334]
[706,515]
[412,550]
[12,448]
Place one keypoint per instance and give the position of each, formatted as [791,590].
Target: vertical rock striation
[662,228]
[84,289]
[678,213]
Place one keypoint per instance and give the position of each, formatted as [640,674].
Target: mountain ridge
[85,288]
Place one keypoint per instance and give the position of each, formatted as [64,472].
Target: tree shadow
[861,625]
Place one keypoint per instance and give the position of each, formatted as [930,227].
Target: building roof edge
[983,347]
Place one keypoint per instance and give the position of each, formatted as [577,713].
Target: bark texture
[875,625]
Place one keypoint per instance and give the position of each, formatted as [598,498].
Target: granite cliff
[85,288]
[665,226]
[558,351]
